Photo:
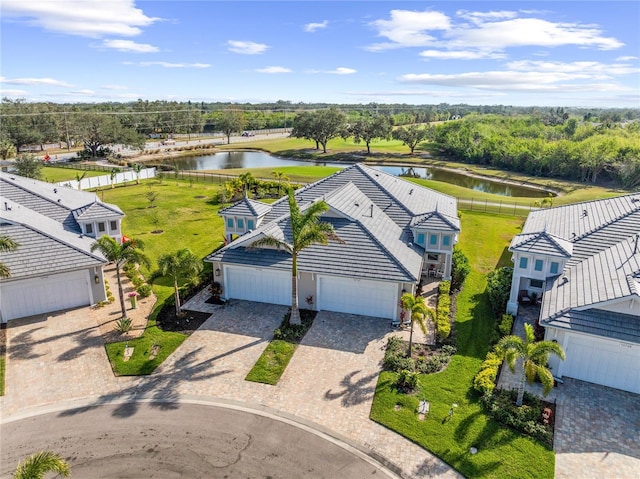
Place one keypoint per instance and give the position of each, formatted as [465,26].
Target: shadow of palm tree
[354,392]
[160,390]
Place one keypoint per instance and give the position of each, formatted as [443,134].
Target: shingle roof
[367,212]
[541,243]
[246,207]
[625,327]
[96,211]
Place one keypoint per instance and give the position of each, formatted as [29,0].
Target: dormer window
[446,240]
[250,224]
[230,223]
[421,238]
[88,229]
[240,223]
[554,268]
[101,227]
[433,240]
[113,225]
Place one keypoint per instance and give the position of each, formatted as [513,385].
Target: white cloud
[312,27]
[246,48]
[13,93]
[35,81]
[169,64]
[114,87]
[88,18]
[84,92]
[273,70]
[460,55]
[408,28]
[488,32]
[342,71]
[429,93]
[626,58]
[130,46]
[594,69]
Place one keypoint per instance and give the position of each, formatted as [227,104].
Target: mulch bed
[167,320]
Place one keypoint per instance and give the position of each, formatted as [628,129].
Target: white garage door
[607,362]
[37,296]
[262,285]
[358,296]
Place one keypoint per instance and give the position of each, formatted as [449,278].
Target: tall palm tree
[419,311]
[306,230]
[6,245]
[130,251]
[137,167]
[38,464]
[112,176]
[280,176]
[182,264]
[534,356]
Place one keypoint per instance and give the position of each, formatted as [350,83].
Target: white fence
[105,180]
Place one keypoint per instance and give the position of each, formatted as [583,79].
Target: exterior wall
[217,266]
[627,307]
[115,233]
[240,225]
[98,291]
[559,336]
[522,277]
[307,287]
[433,244]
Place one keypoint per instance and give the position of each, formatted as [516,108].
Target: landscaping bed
[3,355]
[186,323]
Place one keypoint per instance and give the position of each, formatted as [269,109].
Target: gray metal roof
[604,266]
[541,243]
[96,211]
[435,221]
[246,207]
[368,216]
[625,327]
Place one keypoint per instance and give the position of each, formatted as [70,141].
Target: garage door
[44,295]
[262,285]
[358,296]
[610,363]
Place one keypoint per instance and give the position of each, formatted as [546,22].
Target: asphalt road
[162,441]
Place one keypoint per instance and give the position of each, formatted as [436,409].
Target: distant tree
[151,196]
[29,166]
[95,131]
[368,129]
[418,313]
[38,464]
[112,176]
[280,176]
[137,168]
[6,245]
[320,126]
[80,177]
[179,266]
[130,251]
[412,135]
[230,122]
[7,149]
[534,356]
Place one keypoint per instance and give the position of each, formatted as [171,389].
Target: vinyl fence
[105,180]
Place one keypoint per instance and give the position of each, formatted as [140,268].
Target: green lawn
[56,175]
[296,174]
[187,215]
[503,453]
[272,362]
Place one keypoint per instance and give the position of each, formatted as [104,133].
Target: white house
[53,267]
[393,233]
[584,261]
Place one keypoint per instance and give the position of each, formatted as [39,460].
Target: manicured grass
[187,215]
[503,453]
[139,363]
[296,174]
[272,363]
[56,175]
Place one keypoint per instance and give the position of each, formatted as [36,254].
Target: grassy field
[272,362]
[55,175]
[503,453]
[296,174]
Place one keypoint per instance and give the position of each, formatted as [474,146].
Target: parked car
[248,133]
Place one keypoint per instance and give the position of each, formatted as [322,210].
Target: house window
[250,224]
[420,238]
[89,229]
[538,265]
[433,239]
[101,227]
[230,223]
[446,240]
[524,262]
[240,223]
[536,283]
[433,257]
[113,225]
[555,267]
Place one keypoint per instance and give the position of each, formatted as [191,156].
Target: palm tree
[182,264]
[534,356]
[6,245]
[38,464]
[130,251]
[280,176]
[248,181]
[112,175]
[137,167]
[306,230]
[79,178]
[419,311]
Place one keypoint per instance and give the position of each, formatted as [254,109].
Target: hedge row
[443,311]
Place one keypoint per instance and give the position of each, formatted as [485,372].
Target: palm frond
[273,242]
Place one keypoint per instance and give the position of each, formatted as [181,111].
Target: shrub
[124,325]
[137,280]
[499,288]
[407,381]
[144,290]
[460,268]
[485,380]
[294,332]
[505,325]
[443,311]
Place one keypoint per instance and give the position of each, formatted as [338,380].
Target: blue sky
[573,53]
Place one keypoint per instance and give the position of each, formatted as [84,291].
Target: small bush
[443,311]
[137,280]
[505,325]
[485,380]
[407,381]
[124,325]
[499,288]
[460,268]
[144,290]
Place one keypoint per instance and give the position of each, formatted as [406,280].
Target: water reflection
[258,159]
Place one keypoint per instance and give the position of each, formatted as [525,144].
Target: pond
[258,159]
